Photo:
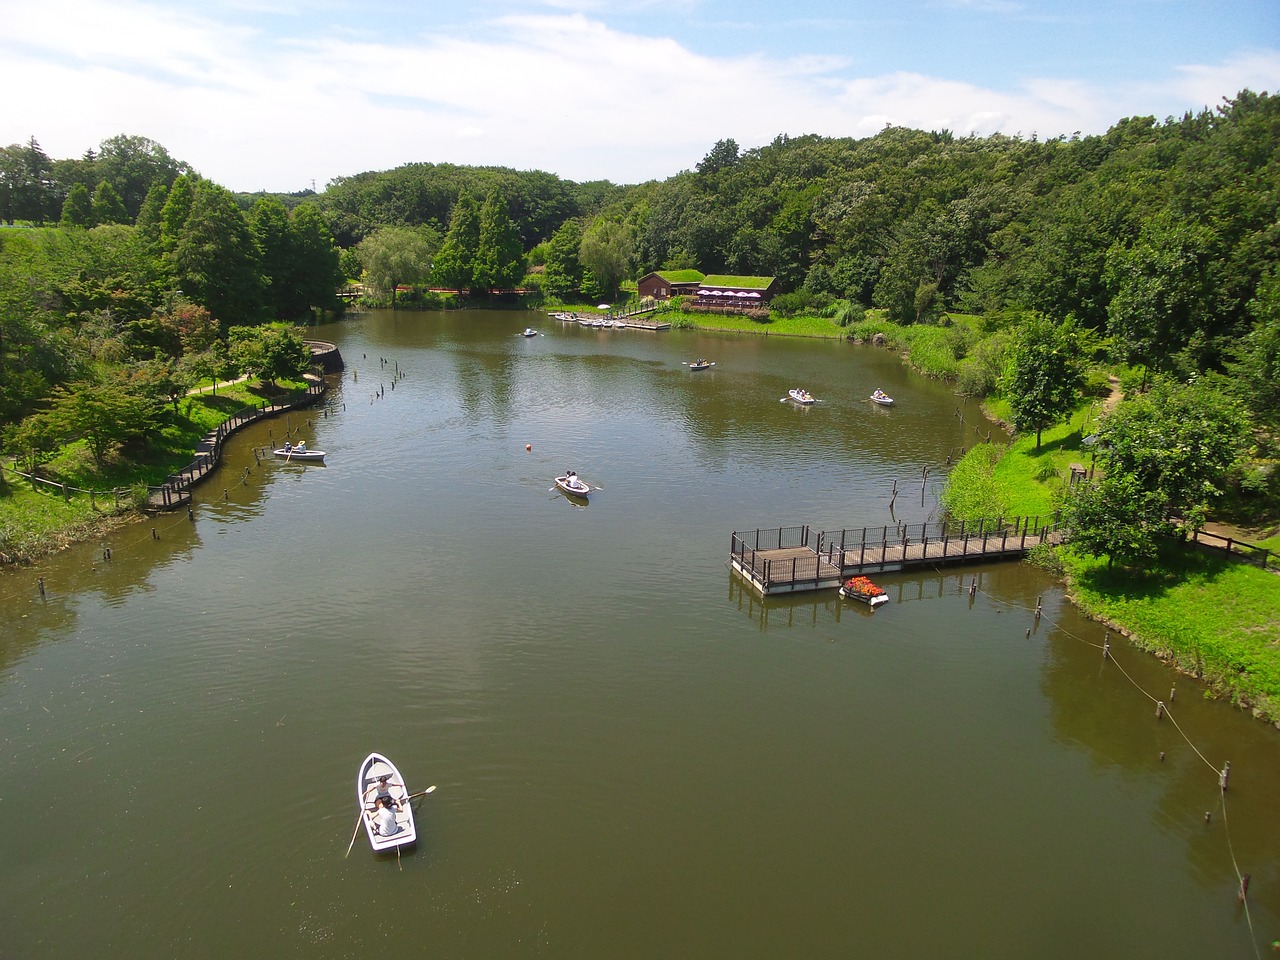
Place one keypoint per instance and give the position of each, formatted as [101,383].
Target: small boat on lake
[529,332]
[374,767]
[570,484]
[701,364]
[298,454]
[801,396]
[860,588]
[882,398]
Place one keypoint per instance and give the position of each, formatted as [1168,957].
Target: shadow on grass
[1175,564]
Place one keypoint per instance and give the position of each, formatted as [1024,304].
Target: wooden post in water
[1159,709]
[1224,776]
[40,584]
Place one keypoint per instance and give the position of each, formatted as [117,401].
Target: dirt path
[225,383]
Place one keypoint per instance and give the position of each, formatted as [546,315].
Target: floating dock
[795,559]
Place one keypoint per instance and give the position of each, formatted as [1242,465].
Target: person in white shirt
[384,818]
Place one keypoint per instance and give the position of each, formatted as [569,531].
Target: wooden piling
[40,584]
[1159,709]
[1224,776]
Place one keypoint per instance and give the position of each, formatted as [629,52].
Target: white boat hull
[574,487]
[373,764]
[800,396]
[300,456]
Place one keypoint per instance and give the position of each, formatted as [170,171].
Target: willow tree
[392,256]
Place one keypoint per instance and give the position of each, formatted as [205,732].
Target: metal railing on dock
[792,559]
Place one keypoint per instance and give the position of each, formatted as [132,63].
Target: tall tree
[315,274]
[107,206]
[1160,291]
[454,264]
[77,209]
[214,258]
[269,226]
[499,262]
[563,268]
[26,184]
[132,165]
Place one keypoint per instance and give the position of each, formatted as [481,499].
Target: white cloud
[562,92]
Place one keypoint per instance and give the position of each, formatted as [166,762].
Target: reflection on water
[619,729]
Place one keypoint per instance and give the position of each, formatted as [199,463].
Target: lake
[635,755]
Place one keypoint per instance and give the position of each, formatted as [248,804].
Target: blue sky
[276,94]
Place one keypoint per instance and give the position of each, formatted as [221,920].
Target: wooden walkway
[795,559]
[175,492]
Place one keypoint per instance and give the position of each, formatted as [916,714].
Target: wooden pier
[796,559]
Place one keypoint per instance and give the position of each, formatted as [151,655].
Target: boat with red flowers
[860,588]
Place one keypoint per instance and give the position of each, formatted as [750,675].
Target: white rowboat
[573,486]
[801,396]
[294,455]
[882,398]
[406,833]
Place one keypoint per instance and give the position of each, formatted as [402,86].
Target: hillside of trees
[1158,241]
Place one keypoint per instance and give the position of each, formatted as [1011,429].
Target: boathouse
[665,284]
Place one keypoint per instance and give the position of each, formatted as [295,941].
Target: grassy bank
[36,520]
[779,327]
[1015,479]
[1215,619]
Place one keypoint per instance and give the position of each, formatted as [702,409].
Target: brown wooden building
[665,284]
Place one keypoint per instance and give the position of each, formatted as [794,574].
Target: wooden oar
[359,820]
[415,796]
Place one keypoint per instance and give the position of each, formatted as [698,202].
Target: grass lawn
[1217,619]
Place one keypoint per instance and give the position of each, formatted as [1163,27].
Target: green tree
[34,440]
[499,261]
[176,211]
[104,415]
[1163,455]
[151,216]
[163,377]
[271,352]
[26,184]
[133,165]
[269,226]
[454,264]
[1159,291]
[563,268]
[315,272]
[392,256]
[1046,373]
[77,209]
[607,250]
[1256,368]
[215,259]
[107,205]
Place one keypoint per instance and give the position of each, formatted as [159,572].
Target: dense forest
[1160,239]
